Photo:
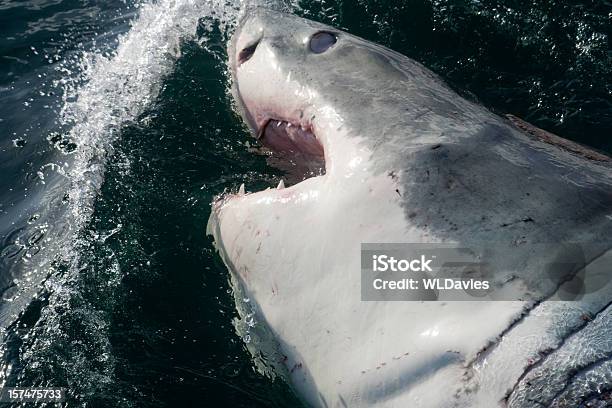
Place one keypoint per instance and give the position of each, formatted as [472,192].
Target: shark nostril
[247,53]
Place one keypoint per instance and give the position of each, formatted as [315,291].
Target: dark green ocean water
[117,130]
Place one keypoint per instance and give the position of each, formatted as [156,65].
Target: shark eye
[247,52]
[322,41]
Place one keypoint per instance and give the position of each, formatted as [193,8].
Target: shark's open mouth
[293,148]
[286,134]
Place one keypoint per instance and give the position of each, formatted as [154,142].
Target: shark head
[378,149]
[295,86]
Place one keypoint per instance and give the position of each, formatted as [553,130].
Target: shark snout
[248,35]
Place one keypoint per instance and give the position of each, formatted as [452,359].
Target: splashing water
[103,91]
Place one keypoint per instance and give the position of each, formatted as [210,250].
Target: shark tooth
[281,185]
[241,190]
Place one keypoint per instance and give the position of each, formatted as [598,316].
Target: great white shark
[399,157]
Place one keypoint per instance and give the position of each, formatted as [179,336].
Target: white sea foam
[117,88]
[113,90]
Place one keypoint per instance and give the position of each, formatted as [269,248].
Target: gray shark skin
[409,160]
